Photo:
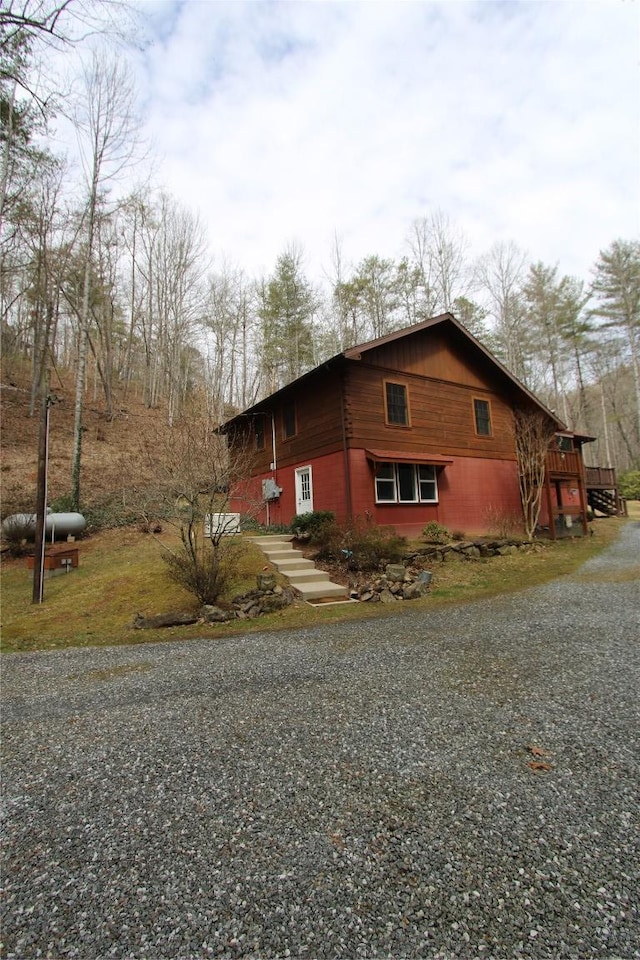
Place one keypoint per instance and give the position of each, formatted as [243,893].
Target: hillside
[111,451]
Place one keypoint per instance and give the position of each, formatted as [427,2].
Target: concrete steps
[301,573]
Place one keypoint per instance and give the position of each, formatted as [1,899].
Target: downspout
[274,463]
[347,471]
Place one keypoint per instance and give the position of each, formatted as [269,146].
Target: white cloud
[282,121]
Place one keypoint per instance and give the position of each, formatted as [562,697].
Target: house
[413,427]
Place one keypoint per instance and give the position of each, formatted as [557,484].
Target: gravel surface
[359,790]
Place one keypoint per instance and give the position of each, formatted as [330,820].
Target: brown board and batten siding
[441,415]
[431,354]
[318,412]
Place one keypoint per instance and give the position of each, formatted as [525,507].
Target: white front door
[304,490]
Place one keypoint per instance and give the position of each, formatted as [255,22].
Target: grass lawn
[121,573]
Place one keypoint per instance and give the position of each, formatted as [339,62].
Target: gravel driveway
[360,790]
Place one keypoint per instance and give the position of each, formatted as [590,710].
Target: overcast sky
[283,122]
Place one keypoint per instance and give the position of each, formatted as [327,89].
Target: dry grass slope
[111,449]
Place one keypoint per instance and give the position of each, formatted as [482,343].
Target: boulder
[413,591]
[165,620]
[266,581]
[385,596]
[395,572]
[212,614]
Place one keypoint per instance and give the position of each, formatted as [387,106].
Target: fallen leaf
[539,765]
[538,751]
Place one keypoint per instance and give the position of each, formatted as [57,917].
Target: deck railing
[603,477]
[561,461]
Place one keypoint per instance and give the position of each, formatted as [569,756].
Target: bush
[501,523]
[205,571]
[629,484]
[435,532]
[16,533]
[312,524]
[360,545]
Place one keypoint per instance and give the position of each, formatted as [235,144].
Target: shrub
[435,532]
[360,545]
[312,524]
[501,523]
[206,570]
[629,484]
[16,533]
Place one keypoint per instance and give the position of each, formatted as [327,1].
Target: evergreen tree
[616,291]
[288,303]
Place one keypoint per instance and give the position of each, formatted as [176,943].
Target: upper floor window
[396,404]
[565,444]
[259,432]
[482,414]
[289,420]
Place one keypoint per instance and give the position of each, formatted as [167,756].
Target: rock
[165,620]
[395,571]
[413,591]
[385,596]
[368,595]
[425,576]
[272,602]
[266,581]
[212,614]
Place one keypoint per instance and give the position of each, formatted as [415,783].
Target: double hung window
[288,420]
[482,416]
[396,404]
[406,483]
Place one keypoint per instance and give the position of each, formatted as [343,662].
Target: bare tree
[533,432]
[105,126]
[499,274]
[439,252]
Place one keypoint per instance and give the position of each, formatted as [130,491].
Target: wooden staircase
[301,573]
[604,501]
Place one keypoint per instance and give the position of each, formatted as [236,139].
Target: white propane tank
[57,525]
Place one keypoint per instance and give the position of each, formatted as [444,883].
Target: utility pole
[41,495]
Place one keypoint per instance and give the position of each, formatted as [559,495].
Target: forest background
[109,292]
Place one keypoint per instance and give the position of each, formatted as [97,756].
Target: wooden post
[41,497]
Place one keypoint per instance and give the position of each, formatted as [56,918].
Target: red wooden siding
[328,483]
[469,491]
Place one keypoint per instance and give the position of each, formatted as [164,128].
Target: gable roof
[358,352]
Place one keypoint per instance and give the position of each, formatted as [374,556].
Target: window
[407,490]
[259,432]
[289,420]
[406,483]
[482,414]
[565,444]
[385,483]
[397,408]
[427,483]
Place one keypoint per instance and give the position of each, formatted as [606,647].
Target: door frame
[299,474]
